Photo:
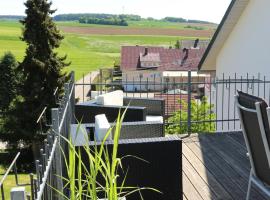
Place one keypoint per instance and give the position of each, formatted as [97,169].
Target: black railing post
[32,185]
[28,197]
[2,191]
[189,103]
[58,162]
[16,174]
[35,188]
[38,174]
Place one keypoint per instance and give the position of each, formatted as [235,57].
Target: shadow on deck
[215,166]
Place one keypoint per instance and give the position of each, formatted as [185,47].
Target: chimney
[145,51]
[185,50]
[196,43]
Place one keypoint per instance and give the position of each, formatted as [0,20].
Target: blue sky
[209,10]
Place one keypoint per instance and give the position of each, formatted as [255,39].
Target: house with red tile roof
[137,58]
[158,64]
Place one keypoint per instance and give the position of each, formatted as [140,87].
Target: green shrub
[177,44]
[200,111]
[195,27]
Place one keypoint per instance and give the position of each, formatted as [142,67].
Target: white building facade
[239,56]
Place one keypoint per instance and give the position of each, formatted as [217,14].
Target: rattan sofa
[133,130]
[134,124]
[161,168]
[137,110]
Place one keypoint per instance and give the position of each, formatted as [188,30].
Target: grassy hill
[86,52]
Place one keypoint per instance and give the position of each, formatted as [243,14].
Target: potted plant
[82,180]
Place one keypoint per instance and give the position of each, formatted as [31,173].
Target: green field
[143,24]
[86,52]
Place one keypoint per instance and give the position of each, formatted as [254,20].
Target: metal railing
[12,166]
[50,168]
[43,186]
[184,95]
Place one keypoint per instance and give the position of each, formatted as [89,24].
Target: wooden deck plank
[217,172]
[210,155]
[229,152]
[197,181]
[240,147]
[217,166]
[220,162]
[214,186]
[237,159]
[238,137]
[189,190]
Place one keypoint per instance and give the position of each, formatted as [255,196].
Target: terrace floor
[215,166]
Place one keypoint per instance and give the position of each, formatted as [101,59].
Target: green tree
[200,111]
[42,71]
[177,44]
[8,81]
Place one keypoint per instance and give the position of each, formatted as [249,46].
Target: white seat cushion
[87,103]
[111,99]
[150,118]
[101,127]
[78,135]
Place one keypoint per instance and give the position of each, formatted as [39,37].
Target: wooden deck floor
[215,166]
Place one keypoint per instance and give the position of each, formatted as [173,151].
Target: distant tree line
[182,20]
[195,27]
[11,17]
[198,21]
[118,21]
[175,19]
[126,17]
[130,17]
[76,17]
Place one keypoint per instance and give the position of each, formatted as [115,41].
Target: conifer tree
[42,67]
[8,66]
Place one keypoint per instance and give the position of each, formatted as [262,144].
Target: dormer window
[149,60]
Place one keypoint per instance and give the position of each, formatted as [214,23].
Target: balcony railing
[183,95]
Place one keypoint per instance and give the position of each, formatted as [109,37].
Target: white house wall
[221,96]
[142,80]
[247,50]
[149,80]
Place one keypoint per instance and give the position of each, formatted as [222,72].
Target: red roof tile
[170,58]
